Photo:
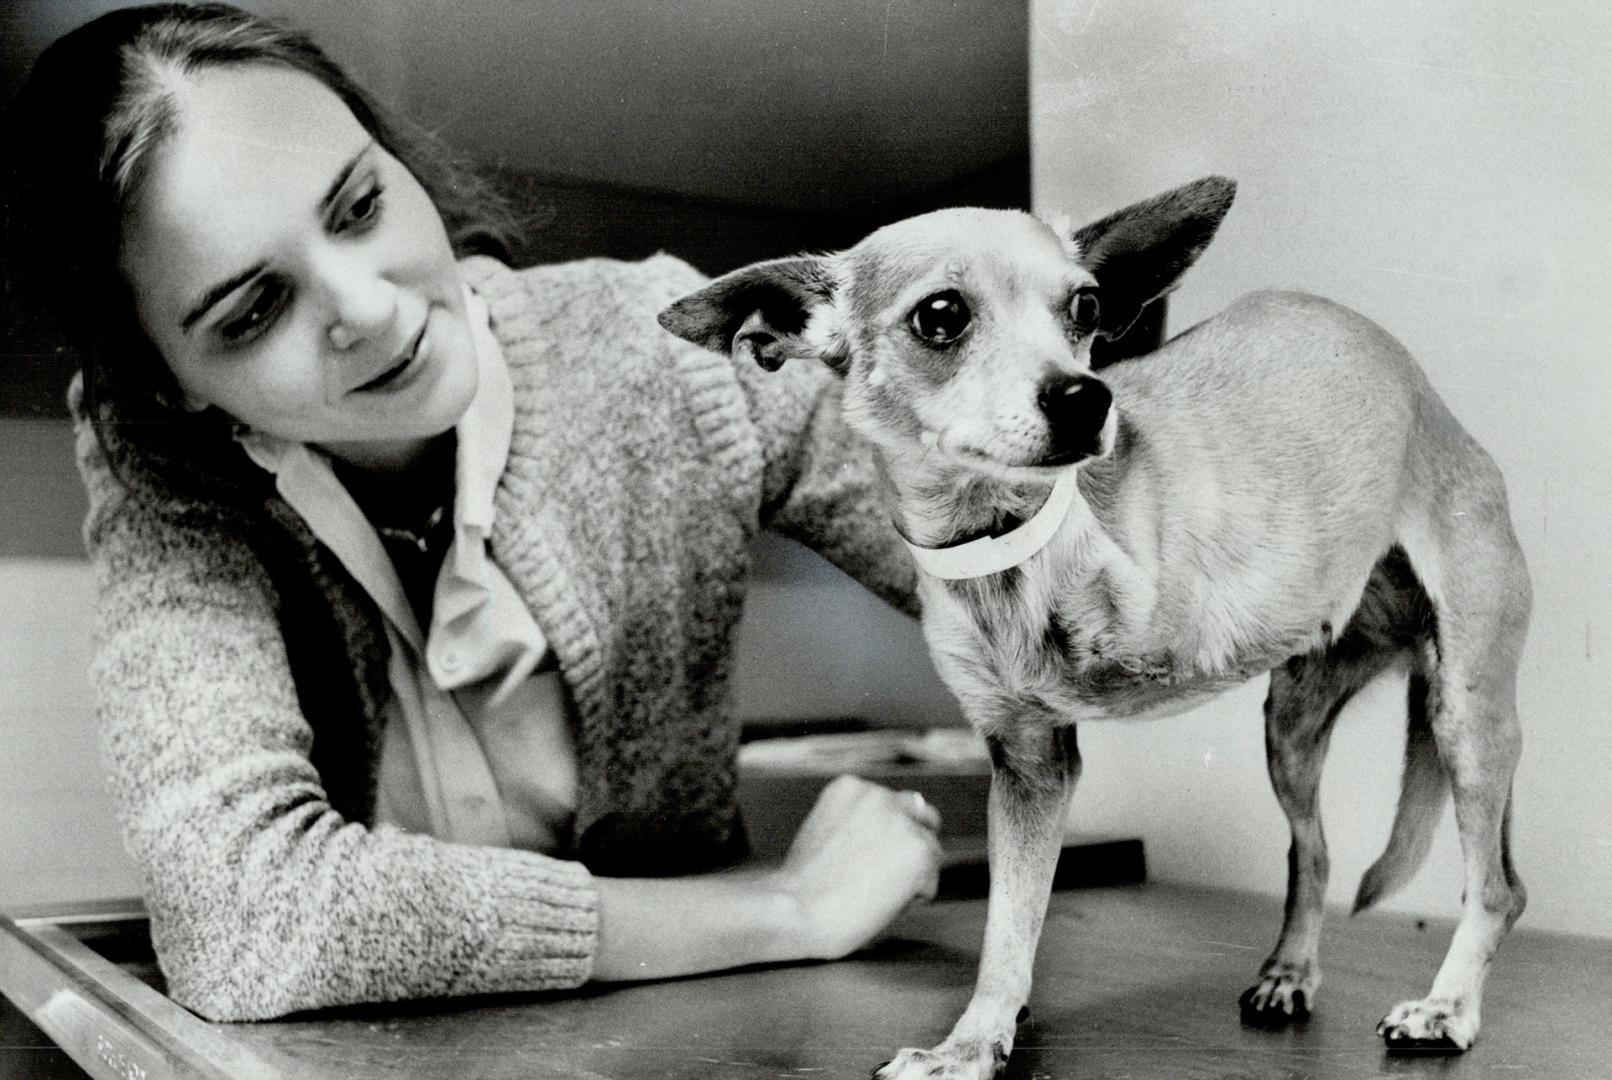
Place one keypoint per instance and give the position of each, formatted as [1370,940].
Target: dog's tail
[1422,794]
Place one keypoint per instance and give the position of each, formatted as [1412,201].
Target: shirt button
[450,661]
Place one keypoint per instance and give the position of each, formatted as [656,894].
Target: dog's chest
[1012,642]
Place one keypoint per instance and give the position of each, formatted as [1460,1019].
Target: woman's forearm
[654,928]
[862,855]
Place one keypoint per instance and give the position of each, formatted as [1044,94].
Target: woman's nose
[363,303]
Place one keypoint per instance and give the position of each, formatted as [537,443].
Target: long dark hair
[79,136]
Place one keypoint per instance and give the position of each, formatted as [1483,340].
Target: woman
[418,577]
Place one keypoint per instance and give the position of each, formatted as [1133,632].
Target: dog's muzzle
[1076,408]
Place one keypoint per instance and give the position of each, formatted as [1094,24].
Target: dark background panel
[723,132]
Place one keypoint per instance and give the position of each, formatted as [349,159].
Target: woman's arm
[823,488]
[819,484]
[264,899]
[863,854]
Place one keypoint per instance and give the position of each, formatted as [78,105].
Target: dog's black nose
[1076,406]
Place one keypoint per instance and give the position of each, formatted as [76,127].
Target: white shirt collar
[304,478]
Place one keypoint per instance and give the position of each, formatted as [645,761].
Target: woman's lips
[407,364]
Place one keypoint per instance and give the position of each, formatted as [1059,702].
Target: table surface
[1131,981]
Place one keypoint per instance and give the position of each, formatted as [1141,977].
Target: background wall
[1441,167]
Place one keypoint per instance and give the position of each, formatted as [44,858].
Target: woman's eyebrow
[217,293]
[341,177]
[224,288]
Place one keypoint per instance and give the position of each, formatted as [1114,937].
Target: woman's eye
[258,311]
[364,209]
[1084,311]
[941,318]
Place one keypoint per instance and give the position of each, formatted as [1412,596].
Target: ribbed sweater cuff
[547,930]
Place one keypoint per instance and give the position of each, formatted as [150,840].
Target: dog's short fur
[1277,489]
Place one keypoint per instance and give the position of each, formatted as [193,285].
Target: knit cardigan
[240,672]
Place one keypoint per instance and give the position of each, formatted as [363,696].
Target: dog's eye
[1084,310]
[940,319]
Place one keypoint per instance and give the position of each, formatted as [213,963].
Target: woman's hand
[862,855]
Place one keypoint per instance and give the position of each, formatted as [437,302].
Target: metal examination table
[1132,981]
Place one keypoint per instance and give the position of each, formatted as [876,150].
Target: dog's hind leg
[1034,767]
[1481,605]
[1306,695]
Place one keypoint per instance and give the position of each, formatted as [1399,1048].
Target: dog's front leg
[1034,767]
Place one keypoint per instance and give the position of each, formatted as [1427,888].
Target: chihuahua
[1278,489]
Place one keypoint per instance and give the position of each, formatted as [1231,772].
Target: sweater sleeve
[263,899]
[819,484]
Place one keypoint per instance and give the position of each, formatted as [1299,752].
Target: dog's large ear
[1139,253]
[759,312]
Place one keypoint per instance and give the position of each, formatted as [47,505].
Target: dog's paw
[1284,995]
[962,1060]
[1445,1024]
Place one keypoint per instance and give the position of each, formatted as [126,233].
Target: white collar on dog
[994,554]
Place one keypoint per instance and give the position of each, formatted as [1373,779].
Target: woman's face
[294,274]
